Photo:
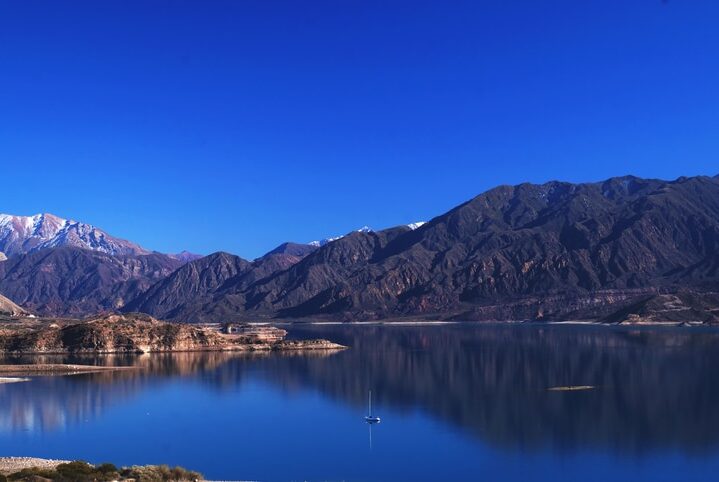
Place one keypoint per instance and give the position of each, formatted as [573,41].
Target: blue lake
[458,402]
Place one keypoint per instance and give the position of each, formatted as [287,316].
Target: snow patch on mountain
[363,229]
[322,242]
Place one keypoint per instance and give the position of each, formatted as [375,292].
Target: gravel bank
[43,368]
[9,465]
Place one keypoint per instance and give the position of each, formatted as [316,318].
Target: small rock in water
[571,388]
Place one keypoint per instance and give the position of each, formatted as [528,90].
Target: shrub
[106,468]
[33,472]
[160,473]
[77,470]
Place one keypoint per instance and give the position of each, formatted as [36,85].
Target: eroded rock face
[680,307]
[136,333]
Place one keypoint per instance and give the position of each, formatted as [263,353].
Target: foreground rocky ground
[39,470]
[9,465]
[138,333]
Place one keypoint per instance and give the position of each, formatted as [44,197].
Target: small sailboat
[371,419]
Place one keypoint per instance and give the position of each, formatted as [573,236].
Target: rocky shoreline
[138,333]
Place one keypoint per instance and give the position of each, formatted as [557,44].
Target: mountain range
[551,251]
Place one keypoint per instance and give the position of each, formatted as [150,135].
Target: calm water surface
[457,403]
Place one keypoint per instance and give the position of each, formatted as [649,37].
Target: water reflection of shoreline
[49,403]
[655,389]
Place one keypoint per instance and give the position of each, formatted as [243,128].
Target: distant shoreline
[400,322]
[58,368]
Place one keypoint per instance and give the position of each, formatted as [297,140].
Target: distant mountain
[185,256]
[207,284]
[191,287]
[71,281]
[26,234]
[293,249]
[547,251]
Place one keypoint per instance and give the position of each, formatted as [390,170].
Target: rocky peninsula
[139,333]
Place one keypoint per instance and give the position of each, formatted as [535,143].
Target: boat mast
[370,403]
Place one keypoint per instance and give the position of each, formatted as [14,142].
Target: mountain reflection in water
[654,389]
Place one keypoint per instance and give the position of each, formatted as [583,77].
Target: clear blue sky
[236,125]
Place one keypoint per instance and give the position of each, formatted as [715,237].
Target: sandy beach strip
[13,380]
[56,368]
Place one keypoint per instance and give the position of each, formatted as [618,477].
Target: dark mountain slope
[554,250]
[77,282]
[190,286]
[192,291]
[618,237]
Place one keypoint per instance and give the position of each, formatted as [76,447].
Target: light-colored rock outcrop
[8,308]
[138,333]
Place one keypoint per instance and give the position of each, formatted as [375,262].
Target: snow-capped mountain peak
[45,225]
[363,229]
[322,242]
[24,234]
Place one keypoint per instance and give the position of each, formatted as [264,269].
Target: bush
[75,471]
[160,473]
[71,472]
[107,469]
[25,474]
